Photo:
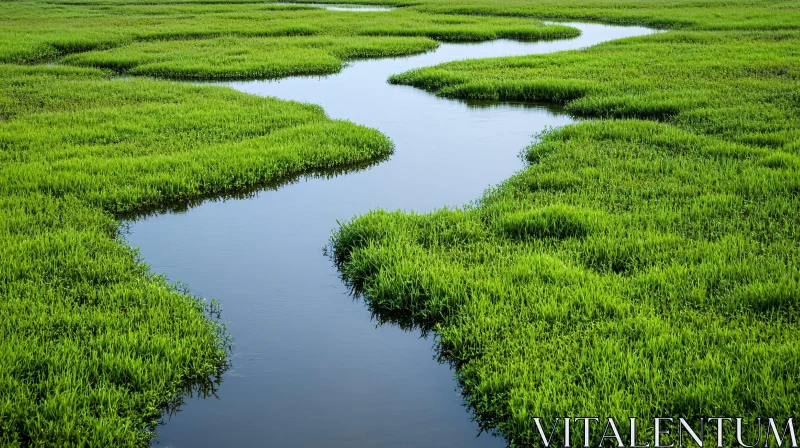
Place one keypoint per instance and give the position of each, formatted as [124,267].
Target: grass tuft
[558,221]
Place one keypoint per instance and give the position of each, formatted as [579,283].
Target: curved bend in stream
[310,368]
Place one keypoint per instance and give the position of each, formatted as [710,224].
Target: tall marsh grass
[33,31]
[645,264]
[647,281]
[247,58]
[92,344]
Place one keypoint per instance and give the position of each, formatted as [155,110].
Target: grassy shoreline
[565,290]
[645,263]
[34,31]
[94,346]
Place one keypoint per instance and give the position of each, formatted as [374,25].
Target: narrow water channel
[310,367]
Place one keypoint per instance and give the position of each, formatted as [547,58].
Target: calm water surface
[310,366]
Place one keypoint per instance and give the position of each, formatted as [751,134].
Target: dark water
[310,367]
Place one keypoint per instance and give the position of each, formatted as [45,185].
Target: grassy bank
[646,262]
[32,31]
[247,58]
[93,344]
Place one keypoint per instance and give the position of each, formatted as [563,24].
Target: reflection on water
[311,367]
[183,206]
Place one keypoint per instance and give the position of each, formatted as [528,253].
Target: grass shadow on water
[185,205]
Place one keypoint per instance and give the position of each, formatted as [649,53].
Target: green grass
[93,344]
[646,262]
[740,86]
[247,58]
[665,14]
[637,269]
[33,31]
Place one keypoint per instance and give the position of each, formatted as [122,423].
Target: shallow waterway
[310,367]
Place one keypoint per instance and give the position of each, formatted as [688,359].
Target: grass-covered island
[645,263]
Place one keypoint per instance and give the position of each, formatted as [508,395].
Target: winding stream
[310,366]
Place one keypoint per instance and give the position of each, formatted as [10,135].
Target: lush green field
[738,86]
[646,263]
[243,58]
[93,345]
[36,31]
